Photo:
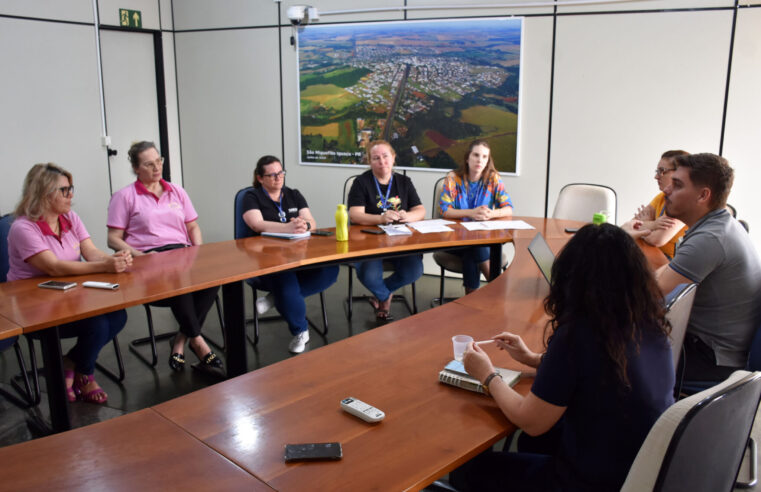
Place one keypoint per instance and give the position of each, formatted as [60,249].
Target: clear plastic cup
[460,343]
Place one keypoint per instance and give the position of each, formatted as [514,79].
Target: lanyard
[384,200]
[278,204]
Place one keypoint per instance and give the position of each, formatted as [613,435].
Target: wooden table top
[8,328]
[250,419]
[161,275]
[141,450]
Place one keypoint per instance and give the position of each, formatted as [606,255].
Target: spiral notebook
[455,374]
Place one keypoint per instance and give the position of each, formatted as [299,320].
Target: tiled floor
[145,386]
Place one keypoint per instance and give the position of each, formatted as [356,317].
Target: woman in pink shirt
[48,238]
[153,215]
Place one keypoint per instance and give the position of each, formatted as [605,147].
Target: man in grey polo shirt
[715,252]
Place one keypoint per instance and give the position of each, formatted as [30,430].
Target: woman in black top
[381,196]
[273,207]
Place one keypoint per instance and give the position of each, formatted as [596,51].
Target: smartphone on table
[313,451]
[57,285]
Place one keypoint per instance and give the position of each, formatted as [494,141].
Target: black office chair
[241,230]
[350,298]
[733,211]
[698,443]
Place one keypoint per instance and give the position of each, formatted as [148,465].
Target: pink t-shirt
[27,238]
[149,221]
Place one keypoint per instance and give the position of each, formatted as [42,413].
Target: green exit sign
[130,18]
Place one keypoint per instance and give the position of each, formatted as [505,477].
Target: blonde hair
[39,185]
[376,143]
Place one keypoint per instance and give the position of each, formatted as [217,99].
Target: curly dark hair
[603,278]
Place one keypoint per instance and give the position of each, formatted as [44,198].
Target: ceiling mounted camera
[297,14]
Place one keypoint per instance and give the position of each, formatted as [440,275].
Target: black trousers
[699,362]
[191,309]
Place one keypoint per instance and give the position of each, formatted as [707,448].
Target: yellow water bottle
[342,223]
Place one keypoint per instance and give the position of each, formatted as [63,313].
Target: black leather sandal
[177,362]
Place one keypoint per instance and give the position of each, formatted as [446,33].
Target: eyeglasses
[153,164]
[274,175]
[66,191]
[660,171]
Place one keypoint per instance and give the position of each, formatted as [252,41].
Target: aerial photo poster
[428,87]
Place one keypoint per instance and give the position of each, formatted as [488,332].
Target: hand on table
[482,213]
[298,225]
[119,261]
[395,216]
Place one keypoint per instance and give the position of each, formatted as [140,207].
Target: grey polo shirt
[716,252]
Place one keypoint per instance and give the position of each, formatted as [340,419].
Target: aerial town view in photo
[428,87]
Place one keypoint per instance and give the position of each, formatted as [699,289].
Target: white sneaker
[264,304]
[298,344]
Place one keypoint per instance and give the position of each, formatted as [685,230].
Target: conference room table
[430,428]
[227,263]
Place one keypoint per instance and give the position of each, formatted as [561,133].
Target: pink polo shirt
[27,238]
[149,221]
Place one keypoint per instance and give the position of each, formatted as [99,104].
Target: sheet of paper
[396,230]
[425,227]
[430,222]
[494,225]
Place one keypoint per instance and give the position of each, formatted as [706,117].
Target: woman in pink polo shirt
[48,238]
[153,215]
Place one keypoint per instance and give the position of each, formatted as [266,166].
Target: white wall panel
[172,108]
[67,10]
[51,112]
[627,88]
[229,99]
[742,141]
[468,11]
[205,14]
[647,5]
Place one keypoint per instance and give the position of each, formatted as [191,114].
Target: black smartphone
[571,230]
[313,451]
[373,231]
[322,232]
[57,284]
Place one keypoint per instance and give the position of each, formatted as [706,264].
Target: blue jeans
[471,258]
[92,335]
[290,288]
[407,269]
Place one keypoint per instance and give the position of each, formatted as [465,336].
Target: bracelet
[488,380]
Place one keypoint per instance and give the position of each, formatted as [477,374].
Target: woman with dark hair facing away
[665,231]
[381,196]
[48,238]
[273,207]
[604,379]
[475,191]
[152,215]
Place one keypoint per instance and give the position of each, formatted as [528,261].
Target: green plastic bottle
[342,223]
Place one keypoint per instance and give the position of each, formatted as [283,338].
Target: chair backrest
[678,307]
[437,188]
[347,187]
[699,442]
[5,227]
[240,228]
[580,201]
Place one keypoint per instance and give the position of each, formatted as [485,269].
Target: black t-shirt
[604,424]
[364,194]
[258,199]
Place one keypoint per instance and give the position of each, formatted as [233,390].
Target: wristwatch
[488,379]
[309,226]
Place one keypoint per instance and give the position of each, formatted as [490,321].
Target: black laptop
[543,255]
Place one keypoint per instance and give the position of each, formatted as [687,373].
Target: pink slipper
[95,396]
